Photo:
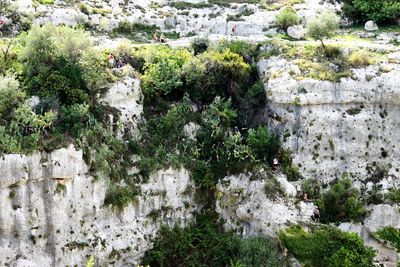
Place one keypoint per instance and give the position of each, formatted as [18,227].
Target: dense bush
[287,17]
[51,59]
[206,244]
[383,11]
[323,26]
[326,246]
[341,203]
[201,244]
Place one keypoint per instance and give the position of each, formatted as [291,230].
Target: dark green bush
[383,11]
[326,246]
[201,244]
[206,244]
[342,203]
[263,144]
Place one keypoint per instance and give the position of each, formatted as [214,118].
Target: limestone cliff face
[335,128]
[206,20]
[52,212]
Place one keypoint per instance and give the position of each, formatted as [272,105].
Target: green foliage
[287,17]
[360,58]
[90,262]
[312,187]
[259,251]
[162,71]
[326,246]
[125,27]
[205,244]
[341,203]
[51,63]
[292,172]
[11,96]
[390,234]
[120,196]
[200,45]
[263,144]
[201,244]
[383,11]
[215,73]
[323,26]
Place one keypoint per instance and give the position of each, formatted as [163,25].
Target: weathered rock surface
[126,96]
[335,128]
[52,212]
[213,19]
[296,32]
[249,208]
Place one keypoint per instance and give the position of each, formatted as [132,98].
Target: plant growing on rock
[323,26]
[287,17]
[341,203]
[326,246]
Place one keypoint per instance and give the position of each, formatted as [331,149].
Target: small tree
[323,26]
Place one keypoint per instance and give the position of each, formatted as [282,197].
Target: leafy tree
[323,26]
[287,17]
[383,11]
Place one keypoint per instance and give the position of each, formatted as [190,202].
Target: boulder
[370,26]
[296,32]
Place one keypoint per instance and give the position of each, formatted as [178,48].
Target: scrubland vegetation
[51,82]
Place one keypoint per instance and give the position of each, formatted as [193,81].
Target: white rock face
[243,203]
[106,15]
[52,212]
[371,26]
[296,32]
[126,96]
[332,128]
[382,216]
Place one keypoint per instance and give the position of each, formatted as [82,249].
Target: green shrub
[360,58]
[263,144]
[11,96]
[120,196]
[292,172]
[390,234]
[287,17]
[326,246]
[312,187]
[323,26]
[341,203]
[259,251]
[200,45]
[51,63]
[200,244]
[206,244]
